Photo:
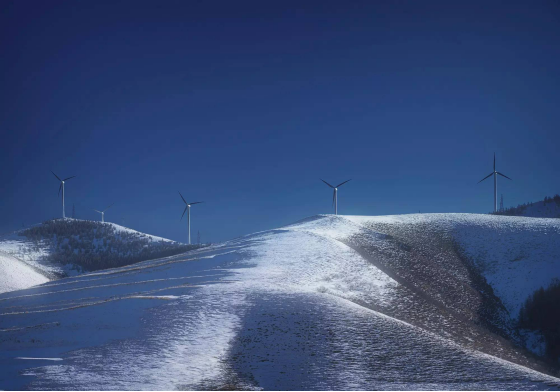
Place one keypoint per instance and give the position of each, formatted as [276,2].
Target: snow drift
[17,275]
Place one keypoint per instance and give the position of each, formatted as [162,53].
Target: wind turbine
[62,188]
[335,194]
[495,174]
[188,208]
[103,212]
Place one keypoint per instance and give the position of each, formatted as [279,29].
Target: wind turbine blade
[96,210]
[343,183]
[326,183]
[184,212]
[182,198]
[108,207]
[333,197]
[56,176]
[59,188]
[485,178]
[494,161]
[66,179]
[503,175]
[195,202]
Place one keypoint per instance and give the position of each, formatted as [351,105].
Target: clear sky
[246,104]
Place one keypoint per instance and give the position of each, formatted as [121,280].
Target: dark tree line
[520,209]
[555,199]
[541,312]
[95,245]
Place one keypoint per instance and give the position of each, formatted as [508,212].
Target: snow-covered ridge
[120,228]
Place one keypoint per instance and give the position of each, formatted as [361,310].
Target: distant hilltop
[65,247]
[547,208]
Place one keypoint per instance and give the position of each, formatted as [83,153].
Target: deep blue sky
[245,105]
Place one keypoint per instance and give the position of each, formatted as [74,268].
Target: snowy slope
[17,275]
[300,307]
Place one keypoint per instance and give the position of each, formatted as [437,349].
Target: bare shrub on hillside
[541,312]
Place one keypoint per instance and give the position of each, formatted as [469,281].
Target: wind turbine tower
[495,174]
[103,212]
[61,187]
[335,194]
[188,210]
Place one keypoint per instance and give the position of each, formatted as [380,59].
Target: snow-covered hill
[483,266]
[515,255]
[332,302]
[63,247]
